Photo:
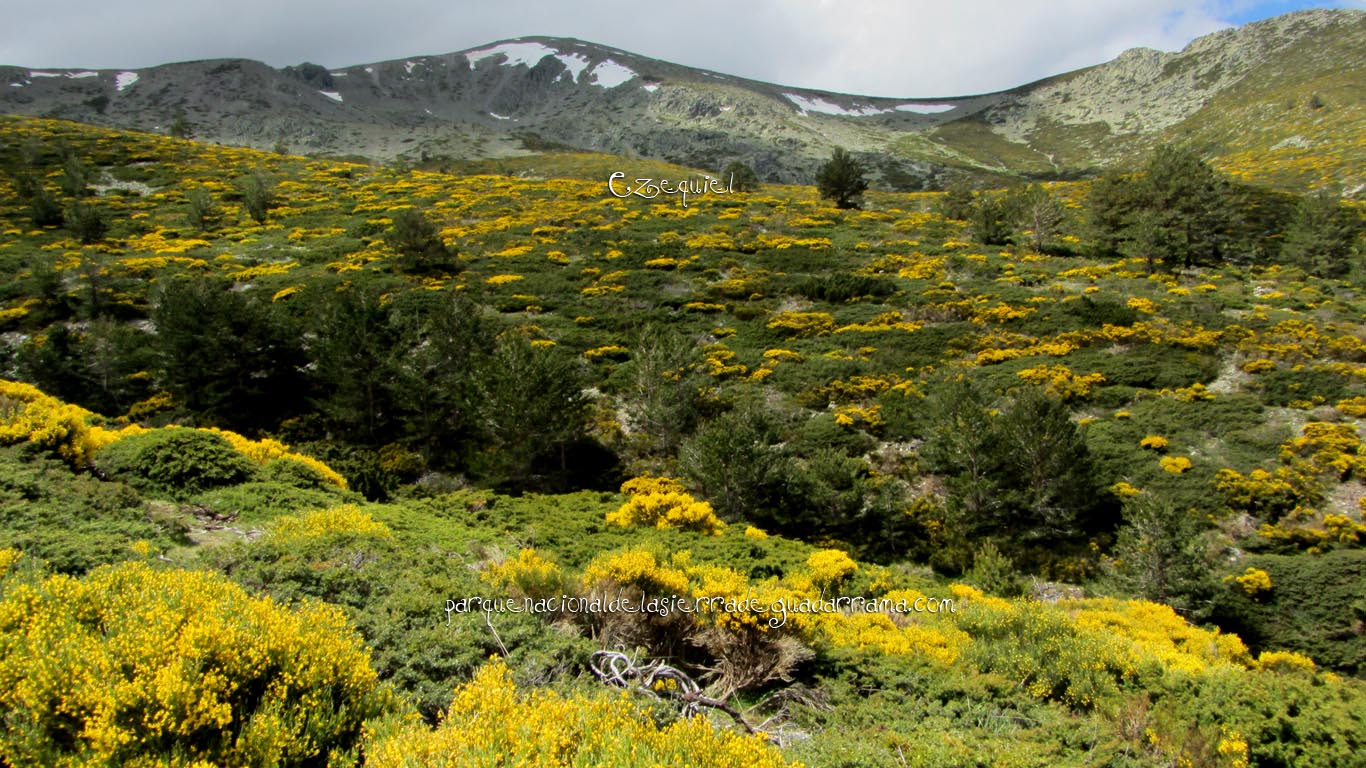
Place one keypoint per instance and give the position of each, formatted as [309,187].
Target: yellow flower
[1254,581]
[1176,465]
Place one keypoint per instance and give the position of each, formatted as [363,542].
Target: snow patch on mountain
[610,74]
[925,109]
[826,108]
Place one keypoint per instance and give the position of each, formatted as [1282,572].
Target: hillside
[1276,101]
[262,416]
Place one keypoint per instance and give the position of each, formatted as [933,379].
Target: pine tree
[1323,236]
[1183,214]
[75,177]
[203,214]
[43,207]
[743,177]
[990,219]
[418,243]
[1109,204]
[841,179]
[257,197]
[734,461]
[662,400]
[85,222]
[1160,555]
[352,365]
[1037,212]
[531,409]
[180,126]
[957,202]
[227,356]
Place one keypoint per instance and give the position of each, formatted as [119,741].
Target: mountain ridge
[515,97]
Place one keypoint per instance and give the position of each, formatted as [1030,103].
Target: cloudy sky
[897,48]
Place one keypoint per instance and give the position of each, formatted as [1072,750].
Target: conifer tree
[841,179]
[1323,236]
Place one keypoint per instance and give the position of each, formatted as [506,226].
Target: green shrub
[1045,651]
[43,207]
[1316,607]
[72,522]
[1282,387]
[842,286]
[1154,367]
[1286,718]
[296,474]
[993,572]
[255,501]
[175,462]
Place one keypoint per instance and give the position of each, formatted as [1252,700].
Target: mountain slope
[1234,91]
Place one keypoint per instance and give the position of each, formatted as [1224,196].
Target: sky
[894,48]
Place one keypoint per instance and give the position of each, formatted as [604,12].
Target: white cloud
[897,48]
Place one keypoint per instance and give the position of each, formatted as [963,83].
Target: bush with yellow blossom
[133,665]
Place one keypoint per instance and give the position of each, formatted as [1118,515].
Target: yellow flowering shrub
[29,415]
[1124,489]
[1233,748]
[135,665]
[720,362]
[1140,304]
[704,306]
[878,631]
[492,723]
[348,519]
[1079,650]
[1265,494]
[1176,465]
[887,321]
[267,450]
[637,567]
[529,574]
[663,503]
[1254,581]
[1331,449]
[8,557]
[610,352]
[853,416]
[1344,529]
[1001,313]
[1153,442]
[1061,381]
[1281,661]
[1154,631]
[803,324]
[830,567]
[1194,392]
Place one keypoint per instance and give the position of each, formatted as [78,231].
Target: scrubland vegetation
[263,416]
